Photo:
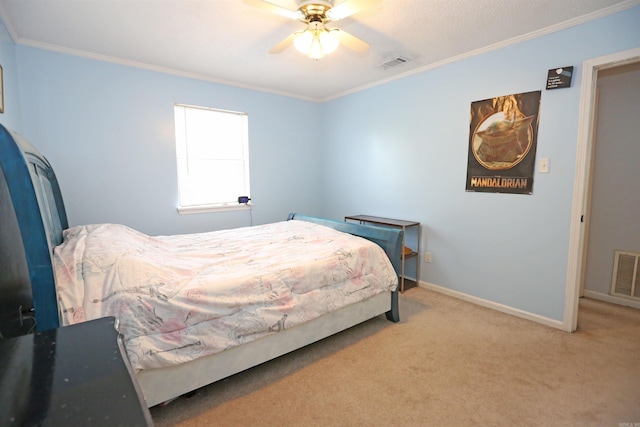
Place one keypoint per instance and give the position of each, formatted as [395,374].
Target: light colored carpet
[447,363]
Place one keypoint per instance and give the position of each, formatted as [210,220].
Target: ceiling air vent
[626,275]
[394,62]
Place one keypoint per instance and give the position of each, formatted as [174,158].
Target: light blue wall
[108,131]
[11,117]
[400,150]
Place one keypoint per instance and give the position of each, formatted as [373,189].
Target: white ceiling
[227,40]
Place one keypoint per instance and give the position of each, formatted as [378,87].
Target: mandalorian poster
[502,143]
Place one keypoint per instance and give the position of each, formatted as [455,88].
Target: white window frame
[239,156]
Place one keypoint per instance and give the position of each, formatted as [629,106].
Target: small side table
[396,223]
[77,375]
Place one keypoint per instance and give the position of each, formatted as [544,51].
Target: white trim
[612,299]
[189,210]
[217,110]
[581,178]
[494,305]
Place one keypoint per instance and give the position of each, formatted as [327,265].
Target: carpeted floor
[447,363]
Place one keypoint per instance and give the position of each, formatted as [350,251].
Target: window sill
[190,210]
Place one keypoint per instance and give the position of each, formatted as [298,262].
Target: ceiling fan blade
[273,8]
[352,42]
[349,7]
[284,44]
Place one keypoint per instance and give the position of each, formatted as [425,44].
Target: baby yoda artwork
[502,142]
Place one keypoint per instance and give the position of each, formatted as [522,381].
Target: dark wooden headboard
[33,217]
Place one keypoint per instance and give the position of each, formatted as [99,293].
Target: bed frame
[32,218]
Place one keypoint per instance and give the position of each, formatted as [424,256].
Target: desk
[396,223]
[77,375]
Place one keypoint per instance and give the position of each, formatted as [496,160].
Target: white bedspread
[181,297]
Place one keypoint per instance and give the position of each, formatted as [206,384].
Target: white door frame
[581,182]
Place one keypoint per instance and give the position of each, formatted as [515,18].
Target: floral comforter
[181,297]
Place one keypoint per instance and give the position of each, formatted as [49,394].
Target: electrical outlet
[427,257]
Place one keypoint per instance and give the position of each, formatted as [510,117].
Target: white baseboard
[612,299]
[494,305]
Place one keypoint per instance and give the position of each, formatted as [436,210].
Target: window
[212,150]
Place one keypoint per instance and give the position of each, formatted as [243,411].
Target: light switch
[544,165]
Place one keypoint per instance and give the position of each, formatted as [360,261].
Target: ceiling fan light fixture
[316,42]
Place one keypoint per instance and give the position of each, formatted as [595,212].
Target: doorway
[583,175]
[612,217]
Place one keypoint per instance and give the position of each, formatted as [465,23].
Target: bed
[38,270]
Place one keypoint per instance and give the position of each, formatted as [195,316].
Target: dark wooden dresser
[72,376]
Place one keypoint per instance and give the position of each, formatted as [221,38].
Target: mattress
[178,298]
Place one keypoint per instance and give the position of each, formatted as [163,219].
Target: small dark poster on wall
[502,144]
[559,78]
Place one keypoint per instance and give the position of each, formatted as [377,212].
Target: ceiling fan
[317,40]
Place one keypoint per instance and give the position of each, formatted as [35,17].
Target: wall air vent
[626,275]
[394,62]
